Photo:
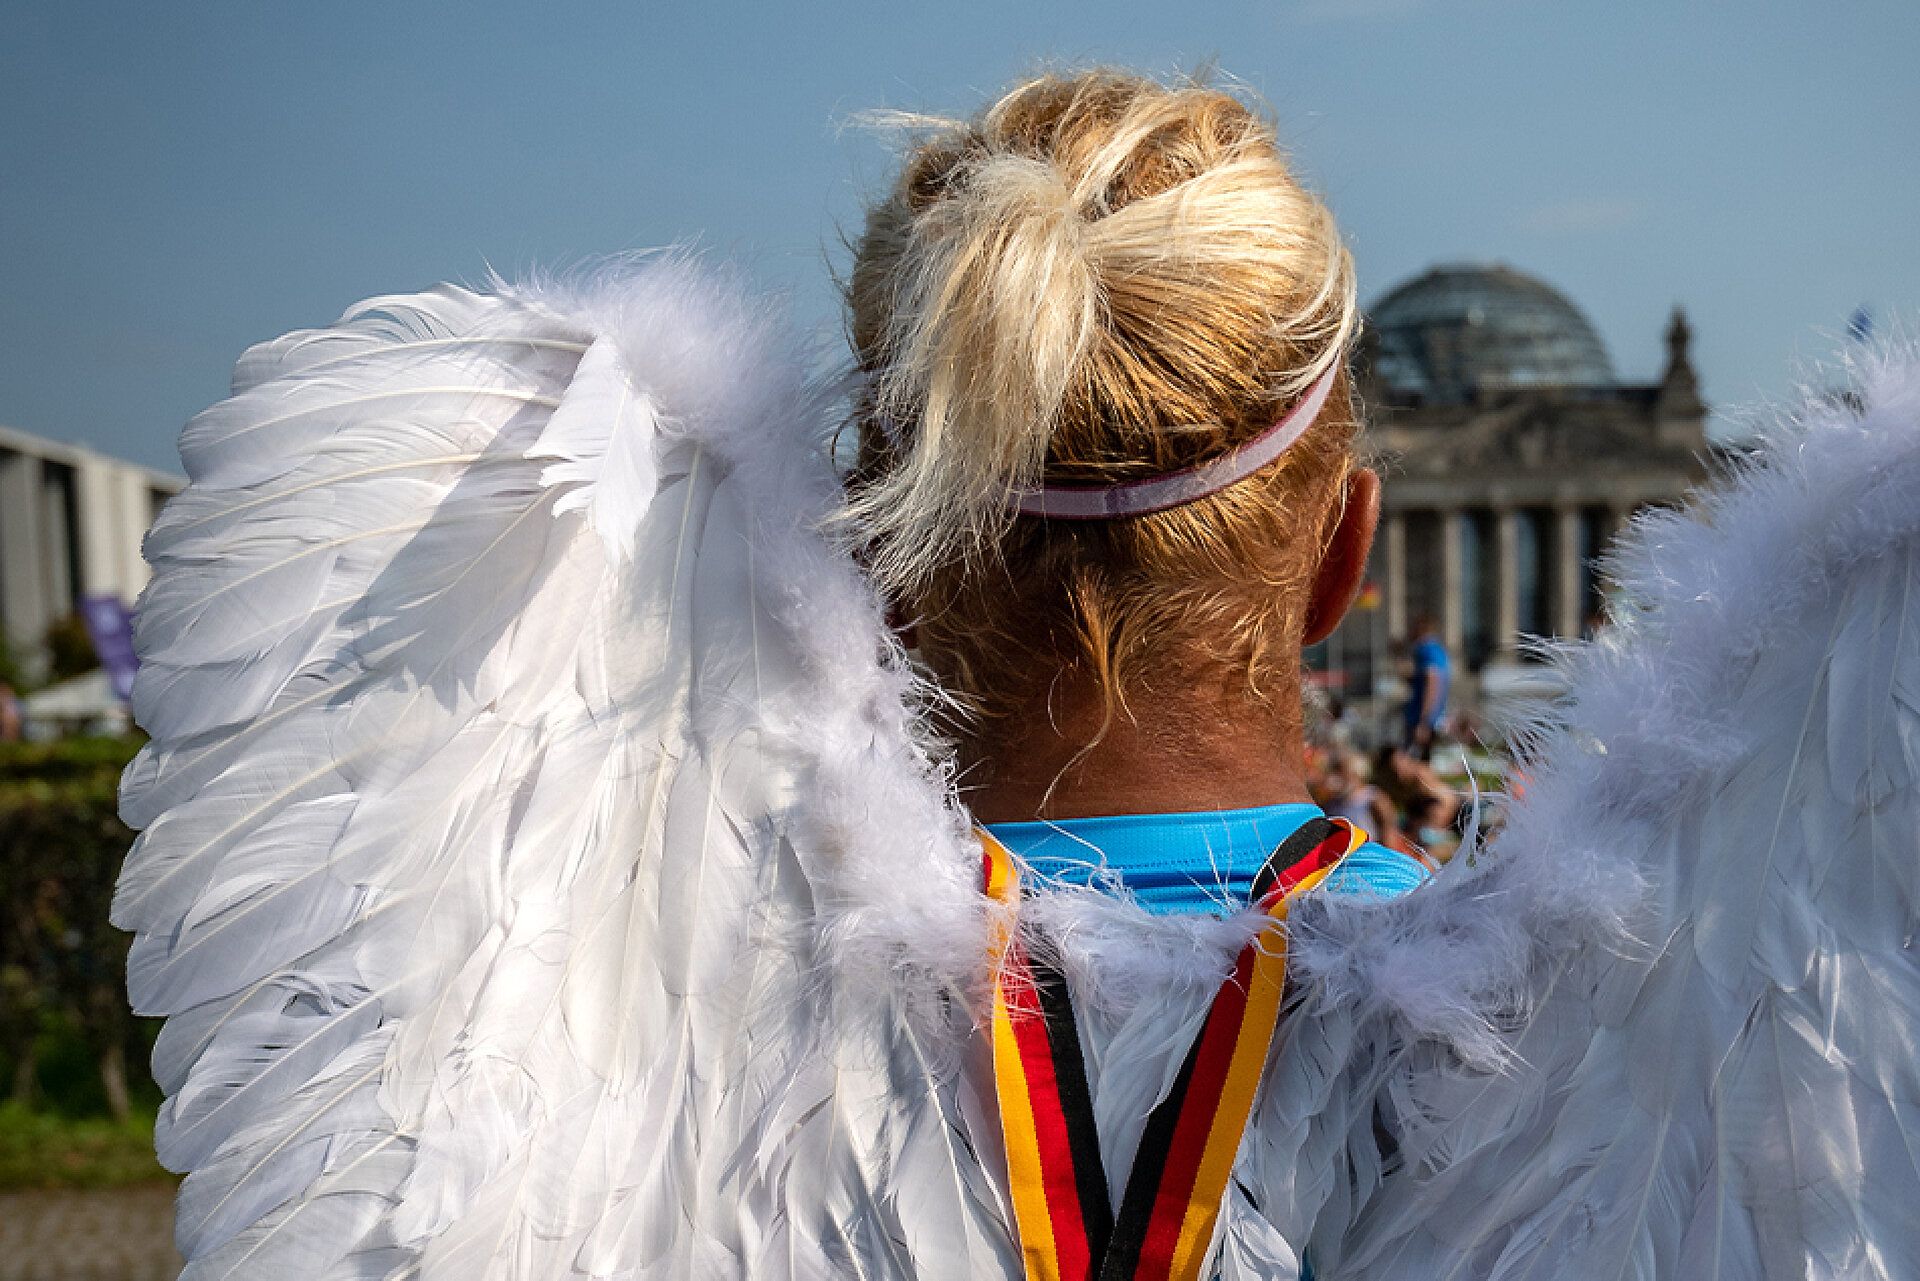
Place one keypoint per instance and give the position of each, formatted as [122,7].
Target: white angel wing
[517,748]
[541,877]
[1716,1075]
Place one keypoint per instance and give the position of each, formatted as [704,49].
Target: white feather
[546,875]
[1726,1089]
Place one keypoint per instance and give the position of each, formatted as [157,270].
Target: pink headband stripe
[1175,489]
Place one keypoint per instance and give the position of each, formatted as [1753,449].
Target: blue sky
[180,180]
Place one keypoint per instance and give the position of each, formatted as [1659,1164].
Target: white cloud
[1581,215]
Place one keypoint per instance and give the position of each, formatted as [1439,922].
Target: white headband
[1158,493]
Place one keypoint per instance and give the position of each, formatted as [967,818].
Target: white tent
[81,704]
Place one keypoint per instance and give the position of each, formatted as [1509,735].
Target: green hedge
[68,1043]
[39,1149]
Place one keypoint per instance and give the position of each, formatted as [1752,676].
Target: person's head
[1346,774]
[1424,625]
[1357,767]
[1100,279]
[1392,767]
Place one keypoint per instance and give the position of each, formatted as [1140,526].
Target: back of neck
[1194,742]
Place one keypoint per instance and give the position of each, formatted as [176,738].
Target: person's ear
[1343,566]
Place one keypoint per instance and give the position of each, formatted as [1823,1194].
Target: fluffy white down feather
[517,750]
[544,872]
[1695,936]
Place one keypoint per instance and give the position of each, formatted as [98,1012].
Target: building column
[135,515]
[1452,583]
[114,513]
[97,491]
[1506,584]
[58,571]
[23,609]
[1566,572]
[1618,518]
[1394,554]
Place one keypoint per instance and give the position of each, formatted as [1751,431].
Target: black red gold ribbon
[1061,1206]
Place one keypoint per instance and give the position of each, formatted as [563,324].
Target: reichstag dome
[1456,332]
[1510,452]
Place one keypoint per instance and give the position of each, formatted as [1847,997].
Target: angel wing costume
[545,871]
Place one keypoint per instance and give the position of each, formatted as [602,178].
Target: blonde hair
[1097,279]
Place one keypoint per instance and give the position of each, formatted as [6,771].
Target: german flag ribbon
[1068,1230]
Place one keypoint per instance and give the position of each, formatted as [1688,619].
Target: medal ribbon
[1068,1231]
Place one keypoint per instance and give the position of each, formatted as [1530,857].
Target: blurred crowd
[1422,798]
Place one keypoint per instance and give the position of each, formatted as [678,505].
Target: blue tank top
[1197,862]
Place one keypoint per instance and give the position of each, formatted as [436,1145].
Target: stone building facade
[1510,454]
[71,521]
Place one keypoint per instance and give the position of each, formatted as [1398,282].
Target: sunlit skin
[1194,741]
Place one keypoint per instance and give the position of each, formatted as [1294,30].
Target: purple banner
[110,628]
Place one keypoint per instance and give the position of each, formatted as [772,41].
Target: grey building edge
[71,521]
[1502,484]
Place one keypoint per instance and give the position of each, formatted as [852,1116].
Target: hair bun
[994,304]
[1099,274]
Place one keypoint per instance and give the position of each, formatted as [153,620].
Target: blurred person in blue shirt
[1427,697]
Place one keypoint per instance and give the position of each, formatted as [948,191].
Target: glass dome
[1457,331]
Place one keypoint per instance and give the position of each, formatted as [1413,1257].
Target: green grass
[38,1150]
